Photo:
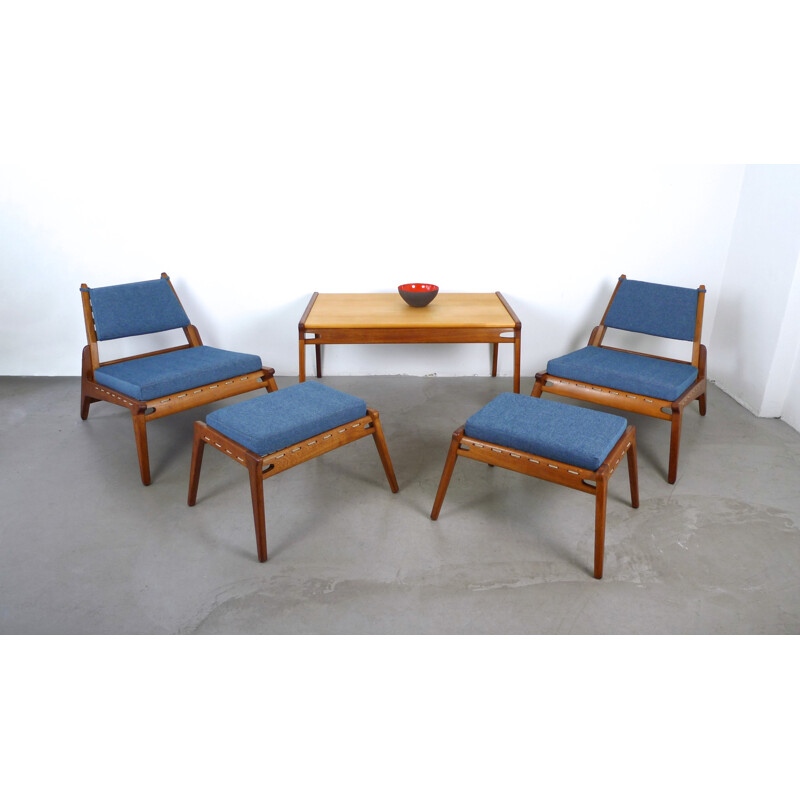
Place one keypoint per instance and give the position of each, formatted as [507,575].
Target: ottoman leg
[257,496]
[447,473]
[383,450]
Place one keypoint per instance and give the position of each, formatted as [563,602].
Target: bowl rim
[417,287]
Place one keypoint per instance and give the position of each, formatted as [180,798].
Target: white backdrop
[271,150]
[556,263]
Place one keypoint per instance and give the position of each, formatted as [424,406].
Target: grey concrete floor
[88,550]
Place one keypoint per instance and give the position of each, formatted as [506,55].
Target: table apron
[408,335]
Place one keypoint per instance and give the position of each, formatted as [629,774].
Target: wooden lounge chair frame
[638,403]
[260,468]
[144,411]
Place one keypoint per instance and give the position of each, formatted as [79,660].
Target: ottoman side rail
[294,454]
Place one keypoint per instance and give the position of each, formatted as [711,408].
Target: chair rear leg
[633,472]
[140,434]
[383,450]
[447,473]
[85,403]
[674,444]
[538,386]
[257,496]
[702,369]
[601,501]
[198,447]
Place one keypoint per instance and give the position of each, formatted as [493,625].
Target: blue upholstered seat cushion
[132,309]
[273,421]
[573,435]
[655,309]
[167,373]
[627,372]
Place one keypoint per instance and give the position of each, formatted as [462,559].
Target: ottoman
[274,432]
[569,445]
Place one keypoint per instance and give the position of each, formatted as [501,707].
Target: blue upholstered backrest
[131,309]
[655,309]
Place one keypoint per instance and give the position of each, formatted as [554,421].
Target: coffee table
[384,318]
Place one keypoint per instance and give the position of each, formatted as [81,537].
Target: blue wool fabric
[131,309]
[167,373]
[573,435]
[655,309]
[273,421]
[626,372]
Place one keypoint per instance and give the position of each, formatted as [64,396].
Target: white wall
[790,413]
[332,147]
[263,154]
[753,347]
[554,247]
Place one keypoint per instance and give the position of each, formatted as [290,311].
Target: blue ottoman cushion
[628,372]
[573,435]
[273,421]
[168,373]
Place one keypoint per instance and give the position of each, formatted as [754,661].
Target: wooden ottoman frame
[584,480]
[260,467]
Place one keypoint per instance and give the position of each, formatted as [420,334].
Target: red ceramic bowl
[418,294]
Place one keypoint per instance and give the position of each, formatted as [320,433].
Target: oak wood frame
[260,468]
[590,481]
[410,335]
[144,411]
[671,410]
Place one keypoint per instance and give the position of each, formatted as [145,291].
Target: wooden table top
[389,310]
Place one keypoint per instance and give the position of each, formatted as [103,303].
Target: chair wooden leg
[633,472]
[447,473]
[86,401]
[198,447]
[383,450]
[601,498]
[140,434]
[257,496]
[538,386]
[702,370]
[495,348]
[674,444]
